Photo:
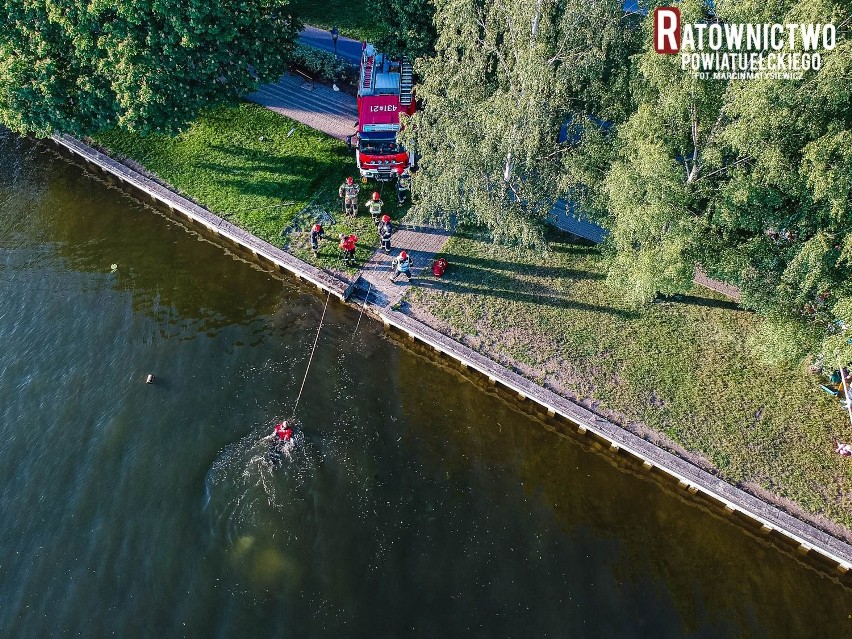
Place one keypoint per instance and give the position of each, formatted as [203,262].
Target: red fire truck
[385,89]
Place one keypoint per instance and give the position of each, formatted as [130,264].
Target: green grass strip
[265,173]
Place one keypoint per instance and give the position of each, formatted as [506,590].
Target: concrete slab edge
[689,476]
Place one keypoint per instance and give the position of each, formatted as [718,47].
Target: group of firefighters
[349,191]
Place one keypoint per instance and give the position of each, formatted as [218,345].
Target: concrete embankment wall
[811,544]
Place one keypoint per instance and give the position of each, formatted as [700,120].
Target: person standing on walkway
[402,266]
[349,191]
[375,207]
[317,234]
[385,232]
[334,35]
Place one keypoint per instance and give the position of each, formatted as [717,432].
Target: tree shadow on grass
[539,270]
[304,168]
[299,176]
[695,300]
[558,243]
[272,150]
[266,189]
[470,280]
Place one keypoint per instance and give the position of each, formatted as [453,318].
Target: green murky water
[413,504]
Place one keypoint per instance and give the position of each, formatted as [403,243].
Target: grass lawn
[679,367]
[267,174]
[353,19]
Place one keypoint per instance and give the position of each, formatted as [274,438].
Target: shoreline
[756,514]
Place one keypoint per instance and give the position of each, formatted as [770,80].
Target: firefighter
[349,191]
[374,204]
[317,234]
[347,245]
[402,266]
[403,184]
[385,232]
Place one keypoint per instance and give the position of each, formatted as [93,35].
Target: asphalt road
[347,48]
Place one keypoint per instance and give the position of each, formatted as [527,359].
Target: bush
[323,65]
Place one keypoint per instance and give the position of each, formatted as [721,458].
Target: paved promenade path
[321,108]
[421,243]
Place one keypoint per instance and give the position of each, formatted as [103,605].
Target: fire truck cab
[385,89]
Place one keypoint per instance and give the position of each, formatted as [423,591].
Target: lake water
[413,504]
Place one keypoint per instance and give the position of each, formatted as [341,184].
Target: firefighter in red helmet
[347,245]
[385,232]
[402,266]
[317,234]
[349,192]
[374,204]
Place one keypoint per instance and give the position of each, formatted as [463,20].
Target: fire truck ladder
[406,83]
[367,82]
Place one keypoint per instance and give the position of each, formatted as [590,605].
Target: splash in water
[256,482]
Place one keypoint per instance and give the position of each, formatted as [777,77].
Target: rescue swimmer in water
[280,442]
[283,431]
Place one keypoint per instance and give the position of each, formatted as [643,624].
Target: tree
[408,27]
[143,65]
[505,78]
[653,189]
[748,178]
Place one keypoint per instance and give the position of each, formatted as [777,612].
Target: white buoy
[150,378]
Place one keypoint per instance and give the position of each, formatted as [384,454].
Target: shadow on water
[202,291]
[699,574]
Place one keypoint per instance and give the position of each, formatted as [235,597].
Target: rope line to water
[363,306]
[310,359]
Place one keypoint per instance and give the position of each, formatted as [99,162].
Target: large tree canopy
[752,179]
[408,27]
[505,78]
[144,65]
